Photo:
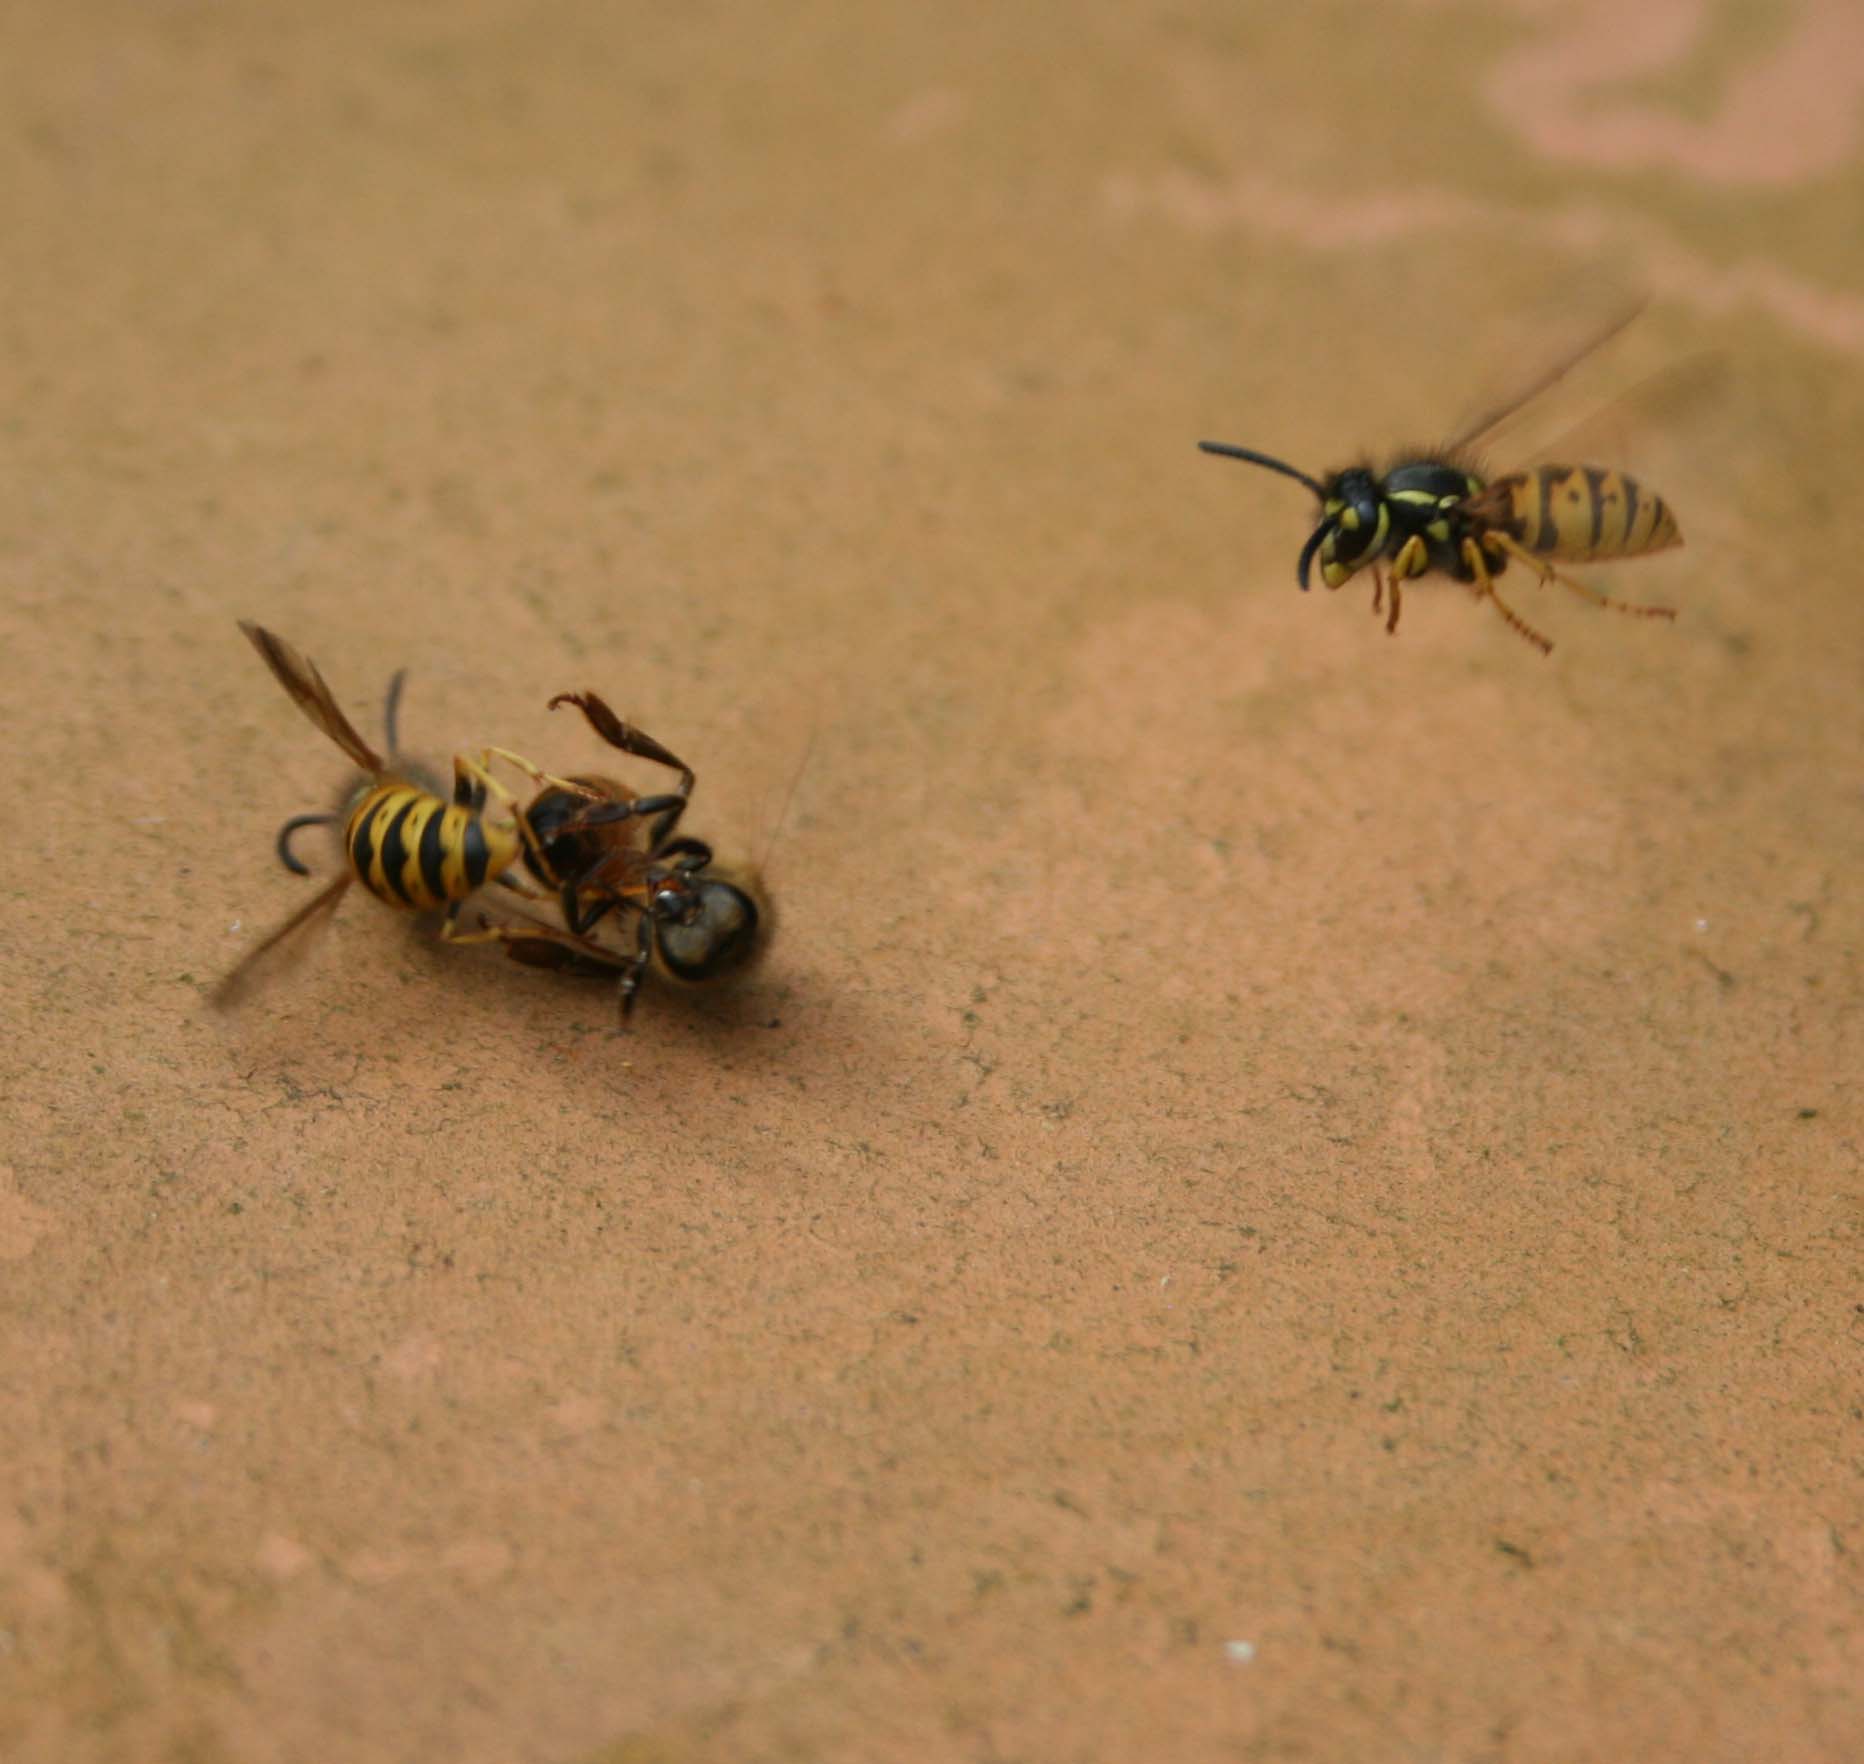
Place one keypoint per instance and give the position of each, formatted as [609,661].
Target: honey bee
[1436,510]
[601,849]
[409,846]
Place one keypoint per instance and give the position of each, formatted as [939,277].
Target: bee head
[706,925]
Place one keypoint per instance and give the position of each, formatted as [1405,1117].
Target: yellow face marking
[1349,520]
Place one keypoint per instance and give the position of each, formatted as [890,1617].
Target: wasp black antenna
[1263,459]
[391,714]
[1315,540]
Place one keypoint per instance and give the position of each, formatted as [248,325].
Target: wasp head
[1353,527]
[1353,517]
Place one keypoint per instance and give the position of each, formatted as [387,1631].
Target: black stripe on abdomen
[475,852]
[433,856]
[395,850]
[362,843]
[1548,536]
[1595,482]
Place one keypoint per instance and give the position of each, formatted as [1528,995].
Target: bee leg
[666,807]
[1547,573]
[1484,589]
[581,918]
[474,785]
[631,975]
[626,737]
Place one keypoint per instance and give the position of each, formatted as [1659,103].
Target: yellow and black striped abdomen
[1582,512]
[414,849]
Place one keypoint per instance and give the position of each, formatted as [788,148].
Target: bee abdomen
[1583,512]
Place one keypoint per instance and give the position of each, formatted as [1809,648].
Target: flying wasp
[601,849]
[1436,510]
[410,847]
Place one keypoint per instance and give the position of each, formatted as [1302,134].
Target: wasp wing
[1484,428]
[1660,400]
[299,676]
[313,915]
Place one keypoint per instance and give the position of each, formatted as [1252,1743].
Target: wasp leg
[450,931]
[473,784]
[537,775]
[283,843]
[1411,559]
[1483,587]
[490,931]
[1378,591]
[1547,573]
[523,890]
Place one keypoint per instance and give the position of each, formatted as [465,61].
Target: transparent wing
[291,937]
[1660,401]
[1485,426]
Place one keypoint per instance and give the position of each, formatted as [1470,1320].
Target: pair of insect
[1434,510]
[591,848]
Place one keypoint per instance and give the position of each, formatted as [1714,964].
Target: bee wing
[299,676]
[620,871]
[1484,428]
[312,916]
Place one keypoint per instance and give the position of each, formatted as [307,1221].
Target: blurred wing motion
[1660,401]
[296,930]
[1485,427]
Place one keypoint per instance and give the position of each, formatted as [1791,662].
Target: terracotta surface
[1284,1192]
